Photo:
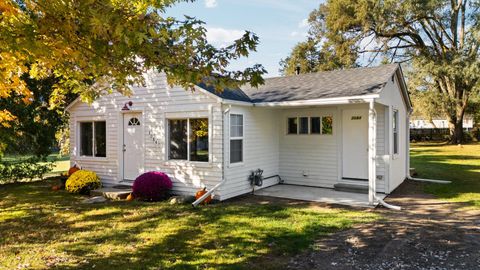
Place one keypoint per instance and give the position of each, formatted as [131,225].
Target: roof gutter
[320,101]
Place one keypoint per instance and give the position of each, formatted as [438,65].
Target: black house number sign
[356,117]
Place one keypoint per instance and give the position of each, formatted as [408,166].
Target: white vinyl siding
[393,100]
[261,150]
[158,102]
[308,160]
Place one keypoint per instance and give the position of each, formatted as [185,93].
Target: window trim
[288,125]
[79,140]
[299,126]
[309,124]
[230,138]
[395,133]
[183,161]
[321,126]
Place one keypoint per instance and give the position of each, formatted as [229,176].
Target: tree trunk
[456,132]
[456,125]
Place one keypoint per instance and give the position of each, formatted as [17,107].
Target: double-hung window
[188,139]
[236,138]
[395,131]
[93,139]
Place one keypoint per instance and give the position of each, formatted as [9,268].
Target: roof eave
[403,86]
[75,101]
[320,101]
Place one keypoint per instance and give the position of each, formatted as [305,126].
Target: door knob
[124,148]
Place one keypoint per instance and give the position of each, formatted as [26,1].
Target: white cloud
[298,34]
[211,3]
[303,23]
[221,36]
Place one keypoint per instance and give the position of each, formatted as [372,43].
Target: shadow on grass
[137,235]
[459,165]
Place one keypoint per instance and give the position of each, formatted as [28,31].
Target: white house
[319,130]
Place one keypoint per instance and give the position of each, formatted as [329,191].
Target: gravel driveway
[427,234]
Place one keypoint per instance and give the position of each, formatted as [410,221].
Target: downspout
[206,195]
[372,151]
[372,154]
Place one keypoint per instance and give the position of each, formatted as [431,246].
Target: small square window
[303,125]
[292,125]
[327,125]
[315,125]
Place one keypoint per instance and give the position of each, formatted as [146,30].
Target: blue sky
[280,24]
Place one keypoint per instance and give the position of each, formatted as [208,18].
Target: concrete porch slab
[316,194]
[111,193]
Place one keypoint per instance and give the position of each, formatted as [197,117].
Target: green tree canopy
[439,39]
[35,124]
[95,47]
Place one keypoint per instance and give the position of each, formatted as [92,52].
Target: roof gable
[329,84]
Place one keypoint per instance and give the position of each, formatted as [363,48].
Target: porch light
[127,106]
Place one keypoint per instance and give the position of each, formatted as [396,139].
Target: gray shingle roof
[328,84]
[232,94]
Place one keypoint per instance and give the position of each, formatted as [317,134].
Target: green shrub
[82,182]
[27,169]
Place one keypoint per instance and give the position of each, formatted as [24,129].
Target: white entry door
[132,145]
[355,144]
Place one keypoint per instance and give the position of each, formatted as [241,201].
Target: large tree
[95,47]
[33,130]
[439,40]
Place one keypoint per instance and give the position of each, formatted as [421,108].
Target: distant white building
[438,123]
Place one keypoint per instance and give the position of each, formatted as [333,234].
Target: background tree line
[437,41]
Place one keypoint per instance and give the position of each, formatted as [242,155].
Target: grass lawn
[41,228]
[62,163]
[460,164]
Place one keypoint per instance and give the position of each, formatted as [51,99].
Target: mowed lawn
[41,228]
[460,164]
[62,163]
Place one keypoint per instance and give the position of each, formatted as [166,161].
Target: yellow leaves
[6,118]
[8,8]
[10,72]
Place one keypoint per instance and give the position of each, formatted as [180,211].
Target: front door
[355,144]
[132,145]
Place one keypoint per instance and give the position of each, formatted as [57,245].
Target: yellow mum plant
[82,182]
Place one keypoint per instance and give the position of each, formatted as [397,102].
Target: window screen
[178,139]
[236,138]
[395,132]
[236,151]
[93,139]
[292,125]
[100,139]
[86,139]
[303,125]
[315,125]
[199,139]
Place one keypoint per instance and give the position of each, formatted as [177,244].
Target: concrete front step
[112,193]
[351,188]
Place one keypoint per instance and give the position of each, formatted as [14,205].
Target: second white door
[355,144]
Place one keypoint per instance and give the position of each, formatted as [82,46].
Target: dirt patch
[427,234]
